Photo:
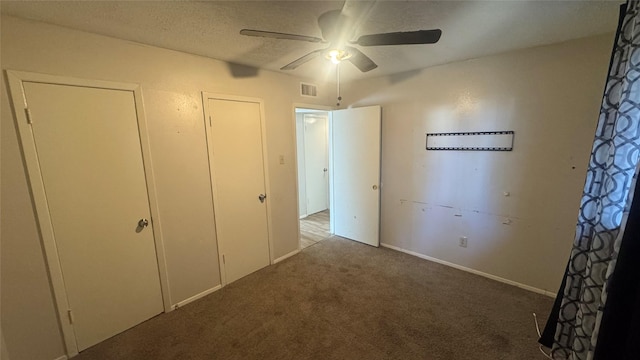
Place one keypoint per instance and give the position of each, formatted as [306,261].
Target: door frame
[19,106]
[328,109]
[214,190]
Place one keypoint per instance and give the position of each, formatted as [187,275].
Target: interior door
[89,153]
[239,185]
[316,162]
[356,174]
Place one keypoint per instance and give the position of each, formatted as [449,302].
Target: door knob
[375,187]
[325,169]
[261,197]
[143,223]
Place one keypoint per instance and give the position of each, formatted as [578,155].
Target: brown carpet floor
[343,300]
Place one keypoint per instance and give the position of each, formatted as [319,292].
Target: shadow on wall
[242,71]
[265,53]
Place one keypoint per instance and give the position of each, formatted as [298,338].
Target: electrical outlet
[463,242]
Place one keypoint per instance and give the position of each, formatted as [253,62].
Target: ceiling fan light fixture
[336,55]
[336,29]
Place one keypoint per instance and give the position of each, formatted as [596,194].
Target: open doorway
[312,142]
[338,168]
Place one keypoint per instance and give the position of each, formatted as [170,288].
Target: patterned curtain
[606,199]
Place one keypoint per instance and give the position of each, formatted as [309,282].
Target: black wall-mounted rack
[470,148]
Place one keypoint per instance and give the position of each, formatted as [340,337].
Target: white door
[89,154]
[316,162]
[235,145]
[356,174]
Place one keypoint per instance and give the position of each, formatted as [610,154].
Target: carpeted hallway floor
[343,300]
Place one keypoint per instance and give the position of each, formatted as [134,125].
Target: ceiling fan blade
[360,60]
[310,56]
[401,38]
[277,35]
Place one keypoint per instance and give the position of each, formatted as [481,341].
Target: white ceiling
[470,28]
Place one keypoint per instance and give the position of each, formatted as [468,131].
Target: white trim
[18,99]
[332,210]
[197,296]
[295,161]
[153,200]
[284,257]
[63,357]
[470,270]
[312,107]
[64,80]
[267,181]
[214,189]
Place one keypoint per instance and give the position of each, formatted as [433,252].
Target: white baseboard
[63,357]
[294,252]
[196,297]
[473,271]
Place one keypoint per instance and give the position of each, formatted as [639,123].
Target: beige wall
[4,354]
[551,97]
[172,83]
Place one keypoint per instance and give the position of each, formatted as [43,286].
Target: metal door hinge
[209,120]
[28,114]
[70,313]
[224,261]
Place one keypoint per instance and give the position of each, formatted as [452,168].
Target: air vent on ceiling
[308,90]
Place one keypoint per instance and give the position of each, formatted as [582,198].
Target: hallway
[314,228]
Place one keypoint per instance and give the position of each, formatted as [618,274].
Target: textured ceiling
[470,28]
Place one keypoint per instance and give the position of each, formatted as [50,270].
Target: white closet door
[89,154]
[235,142]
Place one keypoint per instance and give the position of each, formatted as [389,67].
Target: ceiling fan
[336,30]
